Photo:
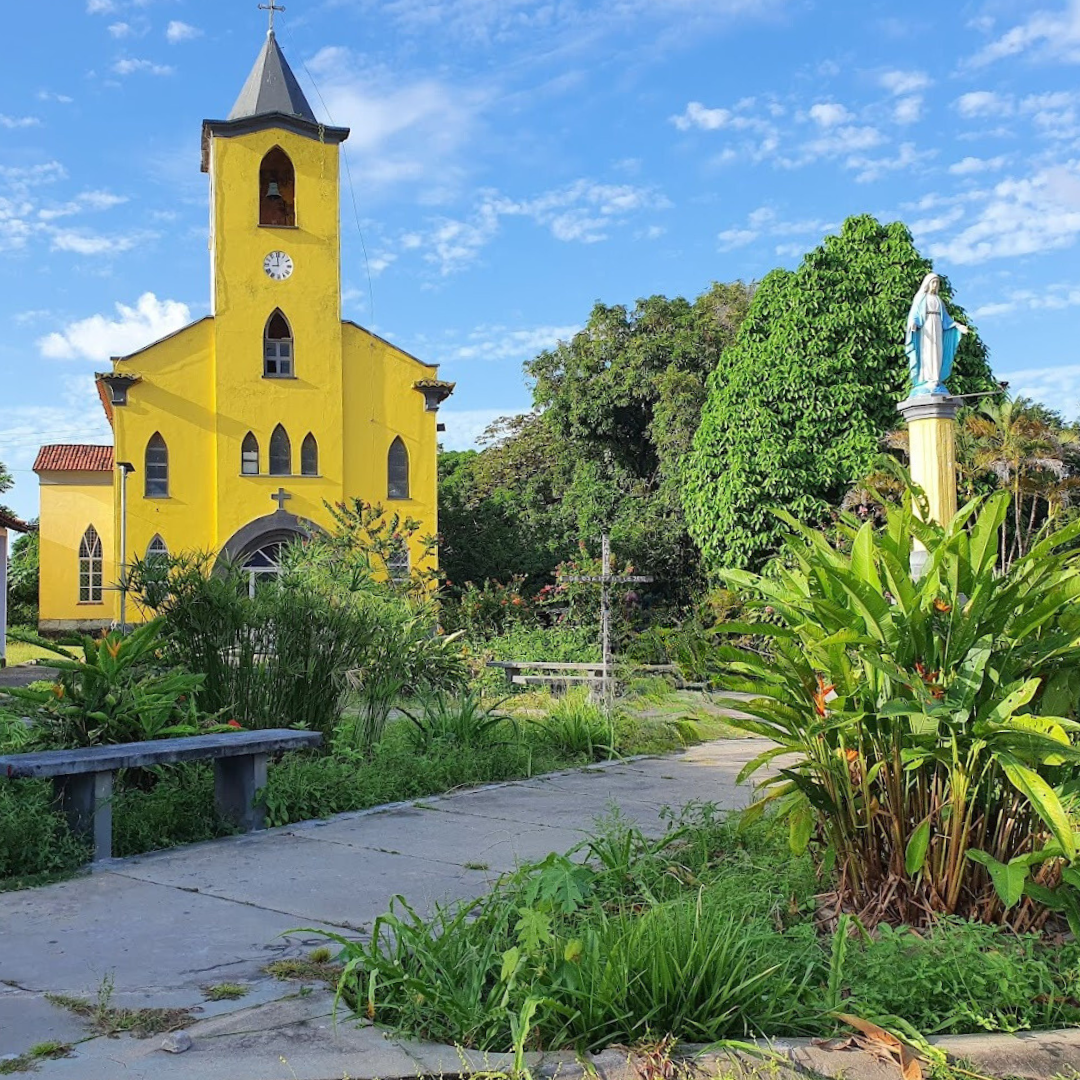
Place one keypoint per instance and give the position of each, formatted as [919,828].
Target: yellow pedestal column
[931,421]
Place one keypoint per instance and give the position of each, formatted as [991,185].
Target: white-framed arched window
[157,549]
[156,476]
[278,347]
[91,567]
[249,455]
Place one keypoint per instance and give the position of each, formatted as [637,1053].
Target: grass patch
[33,1057]
[104,1018]
[317,966]
[225,992]
[21,652]
[705,935]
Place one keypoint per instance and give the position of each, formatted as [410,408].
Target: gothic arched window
[277,189]
[280,453]
[277,347]
[156,477]
[397,471]
[91,567]
[157,549]
[309,456]
[249,455]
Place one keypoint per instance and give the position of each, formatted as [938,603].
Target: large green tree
[616,408]
[797,407]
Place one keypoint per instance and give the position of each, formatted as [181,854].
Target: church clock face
[278,266]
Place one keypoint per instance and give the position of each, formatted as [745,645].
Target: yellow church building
[231,434]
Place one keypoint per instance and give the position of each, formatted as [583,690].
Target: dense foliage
[932,719]
[616,410]
[23,567]
[797,407]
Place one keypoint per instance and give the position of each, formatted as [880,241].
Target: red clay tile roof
[74,457]
[13,523]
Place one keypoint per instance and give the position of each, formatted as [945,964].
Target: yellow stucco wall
[69,503]
[203,390]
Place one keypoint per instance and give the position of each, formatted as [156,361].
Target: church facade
[231,434]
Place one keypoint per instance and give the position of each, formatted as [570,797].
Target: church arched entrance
[256,548]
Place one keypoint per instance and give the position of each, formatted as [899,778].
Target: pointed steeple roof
[271,87]
[271,98]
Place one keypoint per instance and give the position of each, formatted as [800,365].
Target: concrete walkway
[164,926]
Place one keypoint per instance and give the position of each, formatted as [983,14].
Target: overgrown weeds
[707,933]
[105,1018]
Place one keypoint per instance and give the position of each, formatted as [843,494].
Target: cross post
[271,7]
[281,497]
[605,579]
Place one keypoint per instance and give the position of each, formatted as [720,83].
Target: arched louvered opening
[156,474]
[249,455]
[277,347]
[91,567]
[277,189]
[157,550]
[309,456]
[398,564]
[280,453]
[397,470]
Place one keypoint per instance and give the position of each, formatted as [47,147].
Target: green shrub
[456,721]
[34,839]
[576,725]
[935,754]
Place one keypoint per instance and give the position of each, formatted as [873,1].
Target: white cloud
[1057,387]
[49,95]
[121,29]
[738,118]
[1020,217]
[18,121]
[1055,297]
[464,427]
[907,157]
[908,110]
[828,114]
[971,166]
[501,343]
[583,212]
[99,338]
[178,31]
[1048,35]
[129,66]
[79,242]
[765,221]
[902,83]
[101,7]
[980,103]
[87,200]
[401,132]
[17,205]
[841,141]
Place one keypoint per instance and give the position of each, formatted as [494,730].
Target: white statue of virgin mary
[930,339]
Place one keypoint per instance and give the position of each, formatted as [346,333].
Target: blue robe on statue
[930,343]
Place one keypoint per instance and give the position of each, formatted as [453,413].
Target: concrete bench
[83,779]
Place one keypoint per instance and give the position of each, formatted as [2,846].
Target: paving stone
[457,839]
[28,1019]
[308,879]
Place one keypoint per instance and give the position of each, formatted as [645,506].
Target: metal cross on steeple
[271,7]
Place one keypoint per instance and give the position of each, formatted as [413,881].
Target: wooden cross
[271,7]
[605,580]
[281,496]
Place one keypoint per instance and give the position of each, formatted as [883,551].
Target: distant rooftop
[272,88]
[74,457]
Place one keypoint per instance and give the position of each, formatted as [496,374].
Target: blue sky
[514,161]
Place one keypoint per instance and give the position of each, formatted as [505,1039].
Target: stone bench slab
[97,759]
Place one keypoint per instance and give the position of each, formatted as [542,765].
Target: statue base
[931,420]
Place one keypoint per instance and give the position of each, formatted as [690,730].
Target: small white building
[7,524]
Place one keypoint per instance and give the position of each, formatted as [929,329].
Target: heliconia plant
[925,727]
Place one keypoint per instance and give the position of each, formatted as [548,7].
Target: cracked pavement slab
[166,924]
